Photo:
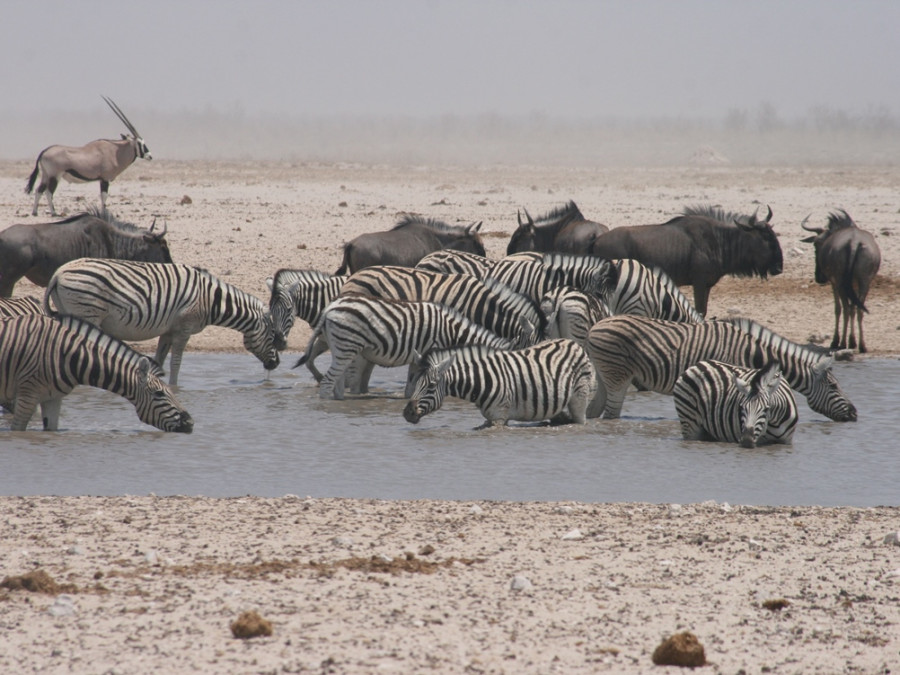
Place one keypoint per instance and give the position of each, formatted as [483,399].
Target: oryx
[101,160]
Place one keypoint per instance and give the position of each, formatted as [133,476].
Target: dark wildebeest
[699,247]
[848,258]
[563,230]
[408,242]
[36,250]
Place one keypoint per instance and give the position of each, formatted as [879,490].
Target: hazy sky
[561,57]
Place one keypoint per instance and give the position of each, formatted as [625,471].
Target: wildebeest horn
[769,214]
[528,215]
[152,225]
[121,116]
[817,230]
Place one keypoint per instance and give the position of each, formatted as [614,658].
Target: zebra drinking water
[388,333]
[654,353]
[553,380]
[42,359]
[140,301]
[717,401]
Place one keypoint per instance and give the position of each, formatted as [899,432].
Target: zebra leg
[162,349]
[320,346]
[50,413]
[25,405]
[178,343]
[332,384]
[359,374]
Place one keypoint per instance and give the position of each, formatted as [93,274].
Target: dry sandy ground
[152,584]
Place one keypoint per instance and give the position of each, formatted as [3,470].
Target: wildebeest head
[523,238]
[470,241]
[157,246]
[761,251]
[838,220]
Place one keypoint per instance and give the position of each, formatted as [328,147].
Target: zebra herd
[531,337]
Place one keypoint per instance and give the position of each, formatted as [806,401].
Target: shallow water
[274,437]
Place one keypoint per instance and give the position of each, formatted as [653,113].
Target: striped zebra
[553,380]
[489,303]
[43,358]
[718,401]
[450,261]
[649,291]
[10,307]
[534,277]
[653,353]
[140,301]
[571,313]
[387,333]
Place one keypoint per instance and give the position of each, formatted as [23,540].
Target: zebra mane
[410,220]
[106,342]
[669,287]
[809,354]
[715,212]
[567,211]
[313,275]
[465,353]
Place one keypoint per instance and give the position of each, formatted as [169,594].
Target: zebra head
[427,387]
[155,402]
[281,307]
[262,339]
[603,280]
[824,394]
[755,400]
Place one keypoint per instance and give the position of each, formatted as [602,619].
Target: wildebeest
[408,242]
[699,247]
[848,258]
[36,250]
[562,230]
[100,160]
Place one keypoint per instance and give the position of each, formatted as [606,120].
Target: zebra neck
[111,368]
[229,307]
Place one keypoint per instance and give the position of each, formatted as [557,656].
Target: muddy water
[275,437]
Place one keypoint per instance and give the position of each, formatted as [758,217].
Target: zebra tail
[51,286]
[34,174]
[848,280]
[309,347]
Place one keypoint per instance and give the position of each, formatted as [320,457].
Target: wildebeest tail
[847,281]
[29,186]
[345,263]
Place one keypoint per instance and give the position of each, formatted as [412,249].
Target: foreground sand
[152,584]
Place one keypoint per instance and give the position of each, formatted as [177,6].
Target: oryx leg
[50,413]
[52,184]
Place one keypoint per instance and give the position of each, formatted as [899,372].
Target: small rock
[573,535]
[151,557]
[186,200]
[64,605]
[754,545]
[521,583]
[342,540]
[250,624]
[564,510]
[476,510]
[682,649]
[892,538]
[75,550]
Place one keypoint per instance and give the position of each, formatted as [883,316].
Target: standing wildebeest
[848,258]
[101,160]
[408,242]
[36,251]
[563,230]
[699,247]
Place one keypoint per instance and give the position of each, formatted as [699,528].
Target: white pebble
[476,510]
[342,540]
[151,557]
[64,605]
[572,535]
[521,583]
[892,538]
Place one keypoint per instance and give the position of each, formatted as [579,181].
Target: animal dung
[249,625]
[186,200]
[37,581]
[776,604]
[681,649]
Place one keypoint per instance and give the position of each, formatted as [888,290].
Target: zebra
[653,353]
[489,303]
[553,380]
[571,313]
[533,276]
[451,261]
[649,291]
[718,401]
[10,307]
[387,333]
[43,358]
[139,301]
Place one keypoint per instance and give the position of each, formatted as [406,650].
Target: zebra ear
[770,378]
[445,364]
[822,366]
[270,283]
[742,386]
[144,368]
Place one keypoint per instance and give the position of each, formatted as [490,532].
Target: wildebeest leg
[862,340]
[850,314]
[701,298]
[50,413]
[836,339]
[104,193]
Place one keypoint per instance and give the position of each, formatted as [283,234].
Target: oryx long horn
[118,111]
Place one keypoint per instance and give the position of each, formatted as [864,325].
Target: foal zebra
[653,353]
[10,307]
[553,380]
[534,277]
[488,303]
[42,359]
[571,313]
[717,401]
[388,333]
[649,291]
[450,261]
[139,301]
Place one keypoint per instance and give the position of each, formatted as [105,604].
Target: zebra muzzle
[411,413]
